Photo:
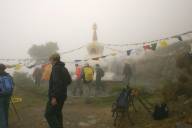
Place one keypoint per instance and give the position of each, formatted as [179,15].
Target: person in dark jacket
[127,73]
[4,102]
[57,94]
[37,74]
[99,74]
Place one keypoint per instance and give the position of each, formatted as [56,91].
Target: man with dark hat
[6,89]
[59,80]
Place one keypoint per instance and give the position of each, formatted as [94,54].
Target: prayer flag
[47,68]
[146,46]
[31,66]
[113,54]
[129,52]
[178,37]
[78,60]
[96,58]
[154,46]
[18,67]
[163,43]
[103,56]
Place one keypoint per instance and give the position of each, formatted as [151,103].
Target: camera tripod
[15,110]
[121,115]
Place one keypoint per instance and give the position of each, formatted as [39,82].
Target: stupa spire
[94,32]
[94,48]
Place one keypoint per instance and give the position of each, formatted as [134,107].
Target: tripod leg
[144,105]
[15,110]
[119,120]
[128,117]
[11,110]
[116,119]
[132,102]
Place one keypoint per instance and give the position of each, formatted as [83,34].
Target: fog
[69,22]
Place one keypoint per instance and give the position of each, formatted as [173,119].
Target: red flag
[146,46]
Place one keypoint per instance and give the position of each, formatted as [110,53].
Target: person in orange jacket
[78,85]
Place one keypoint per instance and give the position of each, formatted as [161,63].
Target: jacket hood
[3,73]
[62,64]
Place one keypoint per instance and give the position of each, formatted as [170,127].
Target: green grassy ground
[77,112]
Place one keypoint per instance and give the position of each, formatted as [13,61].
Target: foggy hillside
[159,66]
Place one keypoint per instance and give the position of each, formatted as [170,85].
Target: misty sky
[69,22]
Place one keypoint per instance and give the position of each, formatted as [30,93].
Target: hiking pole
[15,110]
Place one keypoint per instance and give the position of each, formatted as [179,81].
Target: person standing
[6,90]
[57,93]
[99,74]
[37,74]
[127,73]
[88,74]
[78,84]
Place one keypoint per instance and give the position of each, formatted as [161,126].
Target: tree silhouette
[42,52]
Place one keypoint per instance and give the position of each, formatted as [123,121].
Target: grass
[25,83]
[34,100]
[115,89]
[103,101]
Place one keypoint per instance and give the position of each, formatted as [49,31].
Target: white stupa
[95,49]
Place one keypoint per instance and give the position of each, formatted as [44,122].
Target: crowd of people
[84,80]
[59,80]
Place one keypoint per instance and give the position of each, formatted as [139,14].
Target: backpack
[6,85]
[67,76]
[102,73]
[88,74]
[123,99]
[160,112]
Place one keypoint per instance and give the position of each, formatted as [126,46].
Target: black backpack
[160,112]
[6,85]
[66,76]
[123,99]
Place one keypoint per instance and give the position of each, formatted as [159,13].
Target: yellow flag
[15,99]
[163,43]
[47,68]
[18,67]
[113,54]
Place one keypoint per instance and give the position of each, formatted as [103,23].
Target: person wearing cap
[4,101]
[57,93]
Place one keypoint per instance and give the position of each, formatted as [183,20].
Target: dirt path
[76,112]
